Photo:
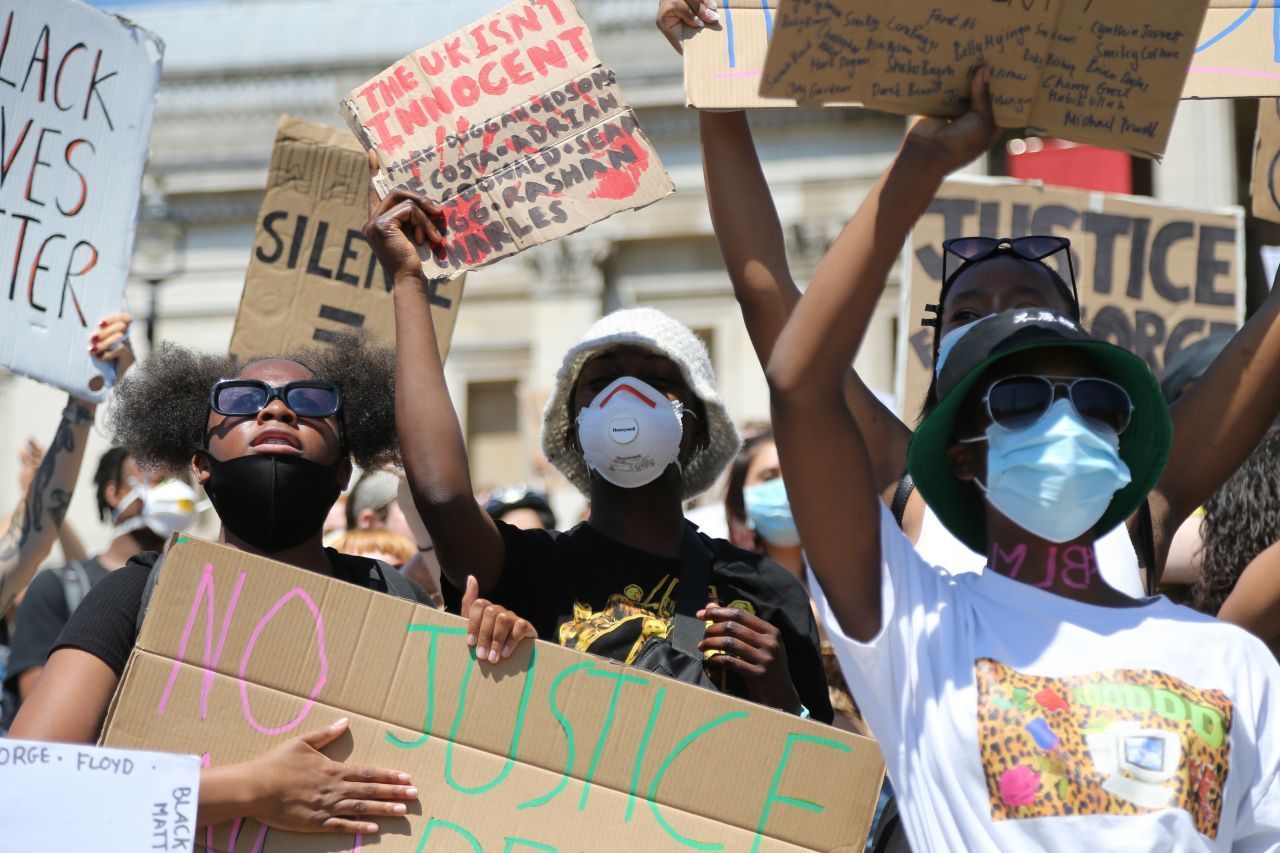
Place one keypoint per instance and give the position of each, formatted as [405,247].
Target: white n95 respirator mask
[167,507]
[630,433]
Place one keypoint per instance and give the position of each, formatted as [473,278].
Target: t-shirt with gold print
[594,594]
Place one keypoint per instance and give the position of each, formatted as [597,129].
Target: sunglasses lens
[1038,246]
[1019,400]
[970,247]
[1102,402]
[240,400]
[312,402]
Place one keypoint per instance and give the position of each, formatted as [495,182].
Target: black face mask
[273,502]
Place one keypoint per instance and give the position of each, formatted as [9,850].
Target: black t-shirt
[591,593]
[106,623]
[41,617]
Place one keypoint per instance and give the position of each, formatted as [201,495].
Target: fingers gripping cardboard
[551,749]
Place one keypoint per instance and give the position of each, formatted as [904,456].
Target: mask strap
[130,498]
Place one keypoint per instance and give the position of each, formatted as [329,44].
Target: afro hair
[160,412]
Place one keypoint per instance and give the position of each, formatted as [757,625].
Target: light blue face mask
[1056,477]
[769,513]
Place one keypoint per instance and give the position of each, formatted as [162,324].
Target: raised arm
[823,449]
[431,442]
[35,523]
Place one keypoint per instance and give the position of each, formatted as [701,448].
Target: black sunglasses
[1035,247]
[245,397]
[1016,402]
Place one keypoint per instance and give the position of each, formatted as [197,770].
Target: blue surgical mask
[1056,477]
[769,513]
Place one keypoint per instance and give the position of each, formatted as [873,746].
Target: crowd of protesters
[1034,526]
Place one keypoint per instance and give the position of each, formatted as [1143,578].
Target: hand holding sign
[674,15]
[492,630]
[753,648]
[397,225]
[954,143]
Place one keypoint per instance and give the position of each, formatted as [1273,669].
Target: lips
[276,441]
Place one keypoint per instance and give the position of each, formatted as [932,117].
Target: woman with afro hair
[272,442]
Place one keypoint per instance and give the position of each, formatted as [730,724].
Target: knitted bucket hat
[653,330]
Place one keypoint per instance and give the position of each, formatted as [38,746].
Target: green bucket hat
[1144,444]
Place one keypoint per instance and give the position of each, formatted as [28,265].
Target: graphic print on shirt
[620,629]
[1121,742]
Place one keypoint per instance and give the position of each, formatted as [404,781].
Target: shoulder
[526,543]
[753,572]
[126,583]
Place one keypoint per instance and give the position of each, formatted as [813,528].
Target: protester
[635,423]
[143,511]
[1216,424]
[373,504]
[272,443]
[756,505]
[521,507]
[994,695]
[35,523]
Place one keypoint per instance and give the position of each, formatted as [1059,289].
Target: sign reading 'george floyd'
[312,274]
[515,127]
[77,92]
[548,750]
[1152,278]
[1107,72]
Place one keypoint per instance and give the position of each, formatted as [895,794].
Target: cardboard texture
[312,274]
[1266,161]
[515,127]
[1151,277]
[551,749]
[1238,51]
[1108,72]
[77,93]
[124,800]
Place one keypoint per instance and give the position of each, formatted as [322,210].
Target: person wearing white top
[1031,706]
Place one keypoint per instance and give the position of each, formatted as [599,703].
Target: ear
[200,468]
[967,460]
[366,519]
[111,492]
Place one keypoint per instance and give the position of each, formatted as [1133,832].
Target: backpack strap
[691,595]
[75,584]
[900,497]
[1147,544]
[396,583]
[147,591]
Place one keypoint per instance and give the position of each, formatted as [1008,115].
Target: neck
[1068,569]
[125,546]
[791,559]
[310,555]
[649,518]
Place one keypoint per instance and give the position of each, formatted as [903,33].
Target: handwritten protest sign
[312,274]
[1107,72]
[1266,161]
[77,92]
[1238,51]
[515,127]
[1152,277]
[550,749]
[60,796]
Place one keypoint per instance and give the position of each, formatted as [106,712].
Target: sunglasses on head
[311,398]
[1016,402]
[1035,247]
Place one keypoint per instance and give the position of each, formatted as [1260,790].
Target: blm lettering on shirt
[1120,742]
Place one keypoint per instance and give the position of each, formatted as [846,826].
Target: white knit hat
[653,330]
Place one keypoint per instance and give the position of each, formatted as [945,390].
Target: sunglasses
[246,397]
[1016,402]
[1036,247]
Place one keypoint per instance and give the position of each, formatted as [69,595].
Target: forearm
[69,540]
[35,523]
[226,793]
[433,449]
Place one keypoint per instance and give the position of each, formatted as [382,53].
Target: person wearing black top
[636,424]
[273,447]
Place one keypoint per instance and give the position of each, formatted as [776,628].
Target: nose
[276,410]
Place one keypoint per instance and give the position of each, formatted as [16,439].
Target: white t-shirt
[1011,718]
[1117,560]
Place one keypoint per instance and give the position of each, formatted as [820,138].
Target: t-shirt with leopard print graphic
[1011,718]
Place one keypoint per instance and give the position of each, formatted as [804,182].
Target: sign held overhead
[548,749]
[77,93]
[515,127]
[1266,161]
[1238,51]
[312,275]
[1106,72]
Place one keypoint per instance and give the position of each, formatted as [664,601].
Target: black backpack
[677,655]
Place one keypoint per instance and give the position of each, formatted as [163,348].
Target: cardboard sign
[515,127]
[550,749]
[77,92]
[723,62]
[1238,52]
[1106,72]
[1266,161]
[61,796]
[1151,277]
[312,274]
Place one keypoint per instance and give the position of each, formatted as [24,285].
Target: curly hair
[1241,520]
[160,412]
